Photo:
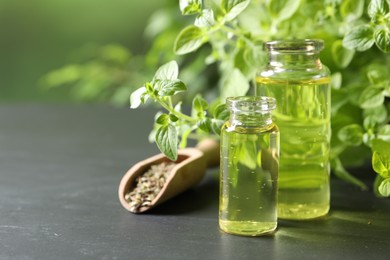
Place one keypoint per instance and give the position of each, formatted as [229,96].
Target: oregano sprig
[175,126]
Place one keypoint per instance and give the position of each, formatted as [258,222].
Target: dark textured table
[60,167]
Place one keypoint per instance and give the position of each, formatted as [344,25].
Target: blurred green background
[42,35]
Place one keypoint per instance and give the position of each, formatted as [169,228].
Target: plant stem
[171,110]
[170,101]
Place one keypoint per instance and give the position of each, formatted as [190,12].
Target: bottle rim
[256,104]
[296,45]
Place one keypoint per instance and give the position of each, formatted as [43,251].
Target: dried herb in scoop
[148,186]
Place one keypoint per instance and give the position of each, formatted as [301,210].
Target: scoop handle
[210,149]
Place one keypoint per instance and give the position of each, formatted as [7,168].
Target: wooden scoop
[190,168]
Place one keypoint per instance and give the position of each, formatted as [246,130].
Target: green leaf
[216,125]
[361,38]
[351,134]
[381,146]
[205,19]
[336,80]
[235,85]
[149,87]
[166,139]
[353,93]
[341,56]
[189,7]
[371,97]
[381,163]
[136,97]
[221,112]
[352,8]
[369,124]
[199,104]
[377,8]
[115,53]
[378,74]
[168,71]
[382,39]
[255,56]
[66,75]
[283,9]
[377,182]
[384,188]
[384,133]
[343,174]
[173,118]
[205,124]
[169,87]
[162,119]
[338,100]
[376,114]
[189,40]
[240,61]
[232,8]
[252,18]
[386,92]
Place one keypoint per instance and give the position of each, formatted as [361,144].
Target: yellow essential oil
[249,168]
[302,92]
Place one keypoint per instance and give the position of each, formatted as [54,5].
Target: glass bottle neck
[296,59]
[251,120]
[251,111]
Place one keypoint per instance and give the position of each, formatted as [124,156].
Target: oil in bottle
[249,168]
[299,82]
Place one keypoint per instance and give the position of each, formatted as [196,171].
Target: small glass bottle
[249,167]
[299,82]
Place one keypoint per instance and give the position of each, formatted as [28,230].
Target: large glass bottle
[249,167]
[299,82]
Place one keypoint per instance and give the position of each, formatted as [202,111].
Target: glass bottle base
[302,211]
[247,228]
